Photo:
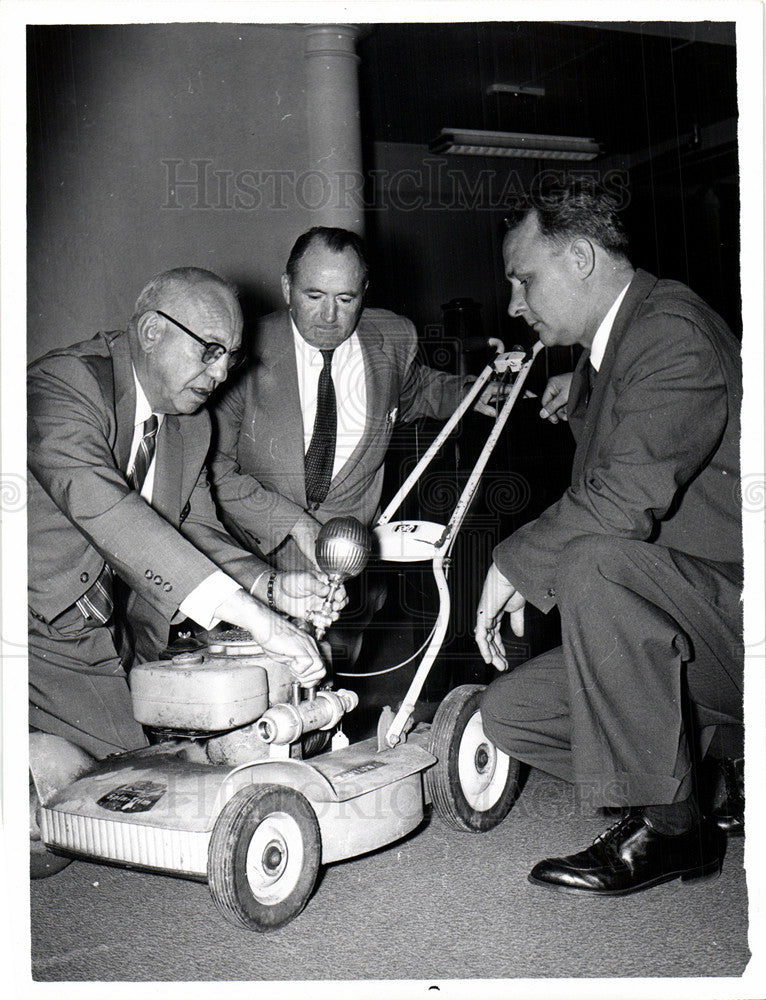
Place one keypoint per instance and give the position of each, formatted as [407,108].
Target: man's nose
[518,304]
[219,370]
[329,310]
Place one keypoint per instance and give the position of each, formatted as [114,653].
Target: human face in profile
[547,290]
[325,295]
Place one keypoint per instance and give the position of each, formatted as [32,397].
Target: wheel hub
[274,858]
[481,758]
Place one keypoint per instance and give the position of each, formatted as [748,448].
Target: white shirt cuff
[201,604]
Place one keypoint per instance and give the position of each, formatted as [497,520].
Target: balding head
[183,284]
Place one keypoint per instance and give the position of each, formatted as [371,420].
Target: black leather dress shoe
[726,775]
[631,856]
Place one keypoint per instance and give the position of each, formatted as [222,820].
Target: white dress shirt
[601,338]
[348,376]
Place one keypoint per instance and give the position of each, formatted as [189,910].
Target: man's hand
[556,397]
[277,635]
[302,593]
[491,398]
[304,533]
[497,596]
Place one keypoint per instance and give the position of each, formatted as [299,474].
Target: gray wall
[109,108]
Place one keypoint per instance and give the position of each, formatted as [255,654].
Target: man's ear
[583,256]
[286,289]
[150,331]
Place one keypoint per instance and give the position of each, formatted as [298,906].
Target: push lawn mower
[242,790]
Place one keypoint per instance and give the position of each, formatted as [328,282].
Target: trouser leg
[526,714]
[78,688]
[640,626]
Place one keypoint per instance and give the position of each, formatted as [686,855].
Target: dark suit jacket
[82,512]
[258,470]
[657,455]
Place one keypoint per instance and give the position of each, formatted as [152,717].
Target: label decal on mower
[370,765]
[137,797]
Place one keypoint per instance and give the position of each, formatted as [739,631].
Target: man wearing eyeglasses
[119,498]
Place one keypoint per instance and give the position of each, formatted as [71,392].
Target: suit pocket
[72,623]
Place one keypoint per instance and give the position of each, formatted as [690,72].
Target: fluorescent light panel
[475,142]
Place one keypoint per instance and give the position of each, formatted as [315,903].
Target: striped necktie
[320,456]
[144,454]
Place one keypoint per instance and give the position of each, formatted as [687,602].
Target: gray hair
[179,279]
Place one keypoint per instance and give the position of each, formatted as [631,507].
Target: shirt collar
[143,407]
[601,339]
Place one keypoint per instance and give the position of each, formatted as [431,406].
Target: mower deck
[155,809]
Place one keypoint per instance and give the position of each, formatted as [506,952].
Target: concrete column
[333,188]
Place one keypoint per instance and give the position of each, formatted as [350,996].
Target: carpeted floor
[440,905]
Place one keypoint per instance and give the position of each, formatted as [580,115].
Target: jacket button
[167,587]
[84,577]
[158,580]
[148,574]
[550,592]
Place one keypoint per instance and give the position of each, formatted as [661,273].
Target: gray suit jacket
[657,455]
[82,512]
[258,469]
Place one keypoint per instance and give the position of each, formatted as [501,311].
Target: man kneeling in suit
[122,527]
[302,437]
[642,554]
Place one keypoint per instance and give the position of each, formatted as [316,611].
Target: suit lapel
[124,399]
[378,373]
[586,420]
[277,403]
[169,463]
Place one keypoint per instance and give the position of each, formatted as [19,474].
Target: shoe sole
[705,873]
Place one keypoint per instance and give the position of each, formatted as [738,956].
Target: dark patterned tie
[321,452]
[592,376]
[144,454]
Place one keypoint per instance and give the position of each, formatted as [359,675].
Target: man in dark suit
[266,421]
[642,554]
[118,434]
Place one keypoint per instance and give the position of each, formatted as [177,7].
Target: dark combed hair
[334,239]
[564,213]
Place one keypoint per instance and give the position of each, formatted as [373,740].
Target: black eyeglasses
[213,350]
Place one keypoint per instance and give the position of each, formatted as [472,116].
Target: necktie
[144,454]
[592,376]
[96,603]
[321,451]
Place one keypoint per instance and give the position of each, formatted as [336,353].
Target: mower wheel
[473,784]
[263,857]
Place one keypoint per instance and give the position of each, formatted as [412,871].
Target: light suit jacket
[258,468]
[82,512]
[657,455]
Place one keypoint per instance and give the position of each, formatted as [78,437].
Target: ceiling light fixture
[517,89]
[474,142]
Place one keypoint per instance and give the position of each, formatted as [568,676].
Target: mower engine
[241,702]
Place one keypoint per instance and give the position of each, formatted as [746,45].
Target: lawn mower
[251,783]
